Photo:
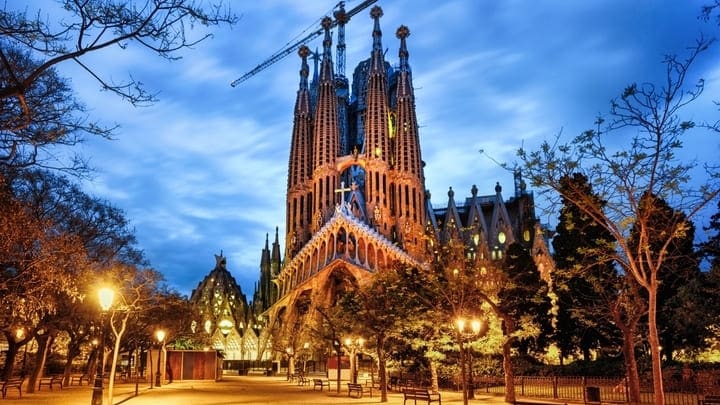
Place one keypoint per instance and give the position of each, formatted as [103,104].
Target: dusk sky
[204,169]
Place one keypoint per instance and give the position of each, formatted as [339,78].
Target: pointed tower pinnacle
[380,186]
[325,139]
[300,164]
[410,179]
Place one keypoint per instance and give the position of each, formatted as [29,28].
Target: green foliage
[680,317]
[523,296]
[585,278]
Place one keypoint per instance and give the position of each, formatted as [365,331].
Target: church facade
[356,205]
[356,197]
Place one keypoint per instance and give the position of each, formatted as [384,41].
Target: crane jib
[285,52]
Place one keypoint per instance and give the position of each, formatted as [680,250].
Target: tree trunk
[73,352]
[631,370]
[116,351]
[382,367]
[463,373]
[509,374]
[44,343]
[434,384]
[654,341]
[11,353]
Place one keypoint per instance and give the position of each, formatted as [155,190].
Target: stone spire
[325,139]
[300,162]
[410,179]
[377,138]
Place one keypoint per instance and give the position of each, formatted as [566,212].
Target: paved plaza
[231,390]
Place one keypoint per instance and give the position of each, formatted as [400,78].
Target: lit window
[501,237]
[526,235]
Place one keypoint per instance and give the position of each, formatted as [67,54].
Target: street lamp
[105,296]
[291,362]
[355,346]
[225,326]
[306,354]
[338,352]
[475,331]
[160,335]
[241,331]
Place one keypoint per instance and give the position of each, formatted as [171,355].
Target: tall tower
[349,186]
[409,181]
[325,139]
[299,192]
[380,182]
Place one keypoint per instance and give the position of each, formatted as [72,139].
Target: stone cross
[342,191]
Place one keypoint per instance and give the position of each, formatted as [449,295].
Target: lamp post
[105,296]
[306,354]
[354,346]
[476,330]
[291,363]
[225,326]
[160,335]
[241,330]
[338,352]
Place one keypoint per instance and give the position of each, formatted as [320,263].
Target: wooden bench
[13,383]
[319,382]
[710,400]
[50,381]
[257,371]
[359,390]
[420,394]
[302,380]
[78,378]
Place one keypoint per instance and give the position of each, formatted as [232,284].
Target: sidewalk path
[255,390]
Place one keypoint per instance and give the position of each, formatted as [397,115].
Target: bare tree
[37,106]
[649,116]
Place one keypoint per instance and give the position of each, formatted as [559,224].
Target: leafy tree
[583,278]
[622,174]
[38,264]
[378,308]
[103,229]
[100,234]
[680,275]
[522,305]
[135,293]
[709,250]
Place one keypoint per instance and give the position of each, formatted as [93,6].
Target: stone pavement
[256,390]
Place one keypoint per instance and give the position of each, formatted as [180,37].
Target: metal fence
[593,389]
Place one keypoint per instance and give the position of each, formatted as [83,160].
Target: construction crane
[341,18]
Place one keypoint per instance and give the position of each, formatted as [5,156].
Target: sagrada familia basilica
[356,203]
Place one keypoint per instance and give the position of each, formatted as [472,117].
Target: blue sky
[204,169]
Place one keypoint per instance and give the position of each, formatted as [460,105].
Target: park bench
[78,378]
[257,371]
[710,400]
[50,381]
[359,390]
[319,382]
[420,394]
[12,383]
[302,380]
